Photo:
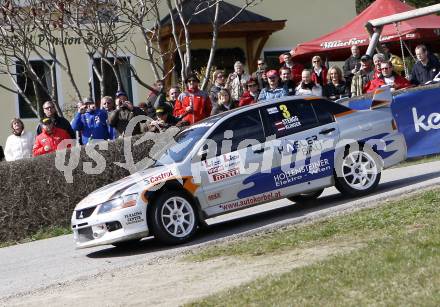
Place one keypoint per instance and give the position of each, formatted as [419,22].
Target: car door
[302,142]
[238,151]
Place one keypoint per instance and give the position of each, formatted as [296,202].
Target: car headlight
[118,203]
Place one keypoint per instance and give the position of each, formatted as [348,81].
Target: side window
[325,110]
[243,126]
[289,117]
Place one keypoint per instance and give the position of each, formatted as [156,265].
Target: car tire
[306,197]
[357,170]
[174,218]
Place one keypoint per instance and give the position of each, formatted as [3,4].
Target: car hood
[136,182]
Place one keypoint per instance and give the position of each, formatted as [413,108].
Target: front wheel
[357,171]
[306,197]
[174,219]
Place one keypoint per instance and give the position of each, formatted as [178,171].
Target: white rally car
[293,147]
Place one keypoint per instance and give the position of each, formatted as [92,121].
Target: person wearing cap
[236,81]
[49,139]
[193,104]
[120,97]
[19,143]
[295,68]
[307,87]
[119,118]
[396,61]
[163,121]
[362,77]
[273,90]
[59,122]
[352,64]
[91,122]
[250,96]
[286,81]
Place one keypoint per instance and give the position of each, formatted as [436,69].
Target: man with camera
[125,111]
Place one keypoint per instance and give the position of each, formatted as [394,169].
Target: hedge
[35,194]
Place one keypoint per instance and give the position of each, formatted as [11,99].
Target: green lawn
[399,265]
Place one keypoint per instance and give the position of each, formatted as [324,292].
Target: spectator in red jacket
[319,71]
[192,105]
[49,139]
[251,95]
[295,68]
[388,77]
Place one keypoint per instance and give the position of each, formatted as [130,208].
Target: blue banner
[417,114]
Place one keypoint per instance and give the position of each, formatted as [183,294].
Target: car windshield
[185,141]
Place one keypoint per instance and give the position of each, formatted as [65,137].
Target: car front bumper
[93,229]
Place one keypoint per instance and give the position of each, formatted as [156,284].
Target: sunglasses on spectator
[252,85]
[317,61]
[49,108]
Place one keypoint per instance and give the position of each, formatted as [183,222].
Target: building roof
[227,10]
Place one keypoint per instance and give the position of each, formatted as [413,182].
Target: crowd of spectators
[110,118]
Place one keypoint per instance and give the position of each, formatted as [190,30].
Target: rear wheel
[306,197]
[174,219]
[357,171]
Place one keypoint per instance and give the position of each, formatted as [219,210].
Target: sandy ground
[173,281]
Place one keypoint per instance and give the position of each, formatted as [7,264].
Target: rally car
[292,147]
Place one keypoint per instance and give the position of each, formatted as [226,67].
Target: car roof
[259,104]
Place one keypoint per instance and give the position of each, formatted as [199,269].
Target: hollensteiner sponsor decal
[294,174]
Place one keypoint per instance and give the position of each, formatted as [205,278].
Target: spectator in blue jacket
[92,122]
[273,90]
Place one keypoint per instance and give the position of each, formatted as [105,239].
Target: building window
[110,83]
[272,58]
[25,83]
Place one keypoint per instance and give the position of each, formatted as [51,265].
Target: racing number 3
[285,112]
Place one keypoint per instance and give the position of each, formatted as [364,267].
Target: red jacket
[247,98]
[399,82]
[201,105]
[46,143]
[323,76]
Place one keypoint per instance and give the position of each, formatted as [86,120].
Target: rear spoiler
[382,97]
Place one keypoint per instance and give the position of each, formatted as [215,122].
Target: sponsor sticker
[294,174]
[135,217]
[249,201]
[272,110]
[158,178]
[214,196]
[223,166]
[224,175]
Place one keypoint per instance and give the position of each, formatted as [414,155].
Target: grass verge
[400,264]
[415,161]
[45,233]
